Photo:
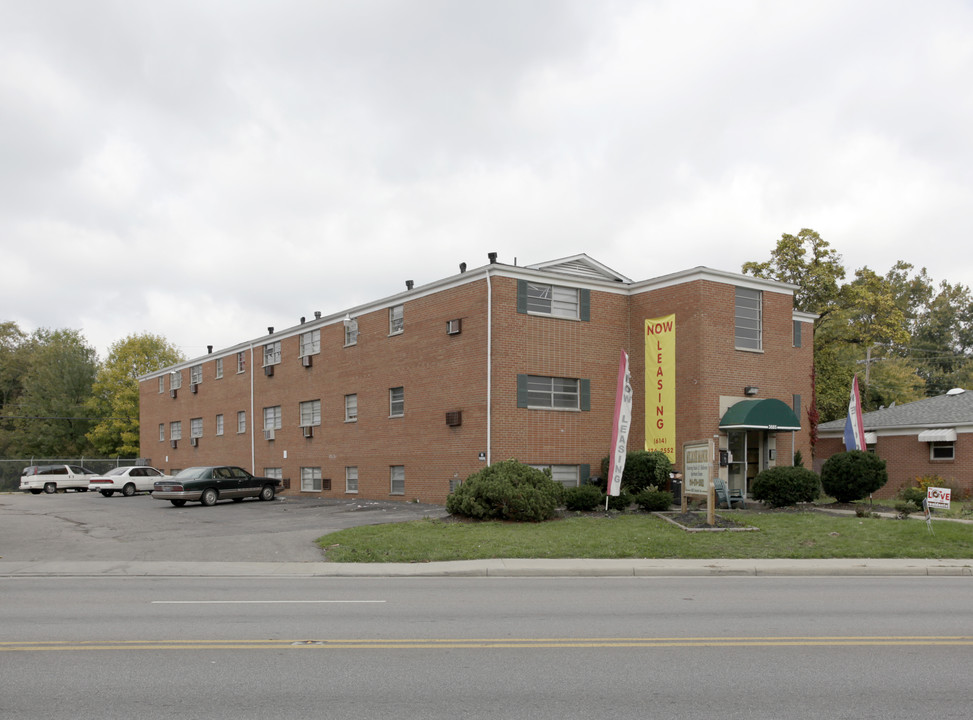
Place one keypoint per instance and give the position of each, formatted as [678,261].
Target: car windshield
[193,472]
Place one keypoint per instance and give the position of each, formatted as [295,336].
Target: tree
[808,261]
[52,416]
[13,366]
[115,393]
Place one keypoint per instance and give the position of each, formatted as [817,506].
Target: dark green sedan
[208,485]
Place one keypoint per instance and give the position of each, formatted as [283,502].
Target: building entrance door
[746,457]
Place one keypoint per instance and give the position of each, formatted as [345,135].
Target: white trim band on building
[938,435]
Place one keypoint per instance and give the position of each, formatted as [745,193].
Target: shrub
[904,508]
[782,486]
[643,469]
[798,459]
[654,500]
[618,502]
[582,499]
[914,495]
[507,490]
[852,475]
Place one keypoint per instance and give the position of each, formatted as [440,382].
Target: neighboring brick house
[930,437]
[405,397]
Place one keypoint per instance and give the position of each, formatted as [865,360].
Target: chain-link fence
[11,470]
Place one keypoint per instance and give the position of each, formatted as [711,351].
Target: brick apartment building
[928,438]
[405,397]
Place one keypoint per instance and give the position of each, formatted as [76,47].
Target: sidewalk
[499,568]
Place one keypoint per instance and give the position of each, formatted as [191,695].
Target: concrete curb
[880,567]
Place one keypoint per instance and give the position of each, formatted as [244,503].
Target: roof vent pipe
[209,349]
[462,267]
[317,314]
[408,284]
[302,319]
[270,330]
[492,256]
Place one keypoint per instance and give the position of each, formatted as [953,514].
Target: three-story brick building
[405,397]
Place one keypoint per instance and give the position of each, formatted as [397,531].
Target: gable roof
[580,265]
[953,408]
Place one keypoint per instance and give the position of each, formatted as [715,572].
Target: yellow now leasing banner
[660,385]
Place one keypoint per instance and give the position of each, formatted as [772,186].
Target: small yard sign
[937,498]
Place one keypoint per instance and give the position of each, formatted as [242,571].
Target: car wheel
[35,492]
[178,503]
[107,493]
[267,492]
[128,490]
[209,497]
[50,488]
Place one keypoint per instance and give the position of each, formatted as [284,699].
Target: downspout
[489,377]
[253,420]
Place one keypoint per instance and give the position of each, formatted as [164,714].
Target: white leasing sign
[697,464]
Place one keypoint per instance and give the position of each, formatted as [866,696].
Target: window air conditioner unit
[454,418]
[172,444]
[194,441]
[172,393]
[308,430]
[268,370]
[269,434]
[306,361]
[192,388]
[454,327]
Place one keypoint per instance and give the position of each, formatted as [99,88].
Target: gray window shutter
[797,333]
[521,391]
[584,304]
[522,296]
[584,392]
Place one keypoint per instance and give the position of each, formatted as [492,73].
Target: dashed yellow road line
[486,643]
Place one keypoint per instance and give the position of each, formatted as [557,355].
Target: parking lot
[88,526]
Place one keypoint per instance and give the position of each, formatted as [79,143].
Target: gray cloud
[205,169]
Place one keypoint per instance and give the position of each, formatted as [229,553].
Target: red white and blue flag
[854,427]
[620,427]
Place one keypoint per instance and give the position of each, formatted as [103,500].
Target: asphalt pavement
[84,534]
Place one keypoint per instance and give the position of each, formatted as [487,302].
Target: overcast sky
[203,169]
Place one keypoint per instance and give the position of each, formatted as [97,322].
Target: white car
[53,478]
[126,480]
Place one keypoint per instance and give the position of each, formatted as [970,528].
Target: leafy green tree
[115,392]
[808,261]
[52,415]
[13,367]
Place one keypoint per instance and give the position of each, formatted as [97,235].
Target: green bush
[654,500]
[643,469]
[618,502]
[583,499]
[783,486]
[507,490]
[852,475]
[914,495]
[904,508]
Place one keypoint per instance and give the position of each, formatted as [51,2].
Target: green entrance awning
[767,414]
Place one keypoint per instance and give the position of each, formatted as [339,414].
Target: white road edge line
[257,602]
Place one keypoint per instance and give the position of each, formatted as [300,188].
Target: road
[729,647]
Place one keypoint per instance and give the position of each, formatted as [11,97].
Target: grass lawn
[806,534]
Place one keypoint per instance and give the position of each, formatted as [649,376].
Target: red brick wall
[442,373]
[907,459]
